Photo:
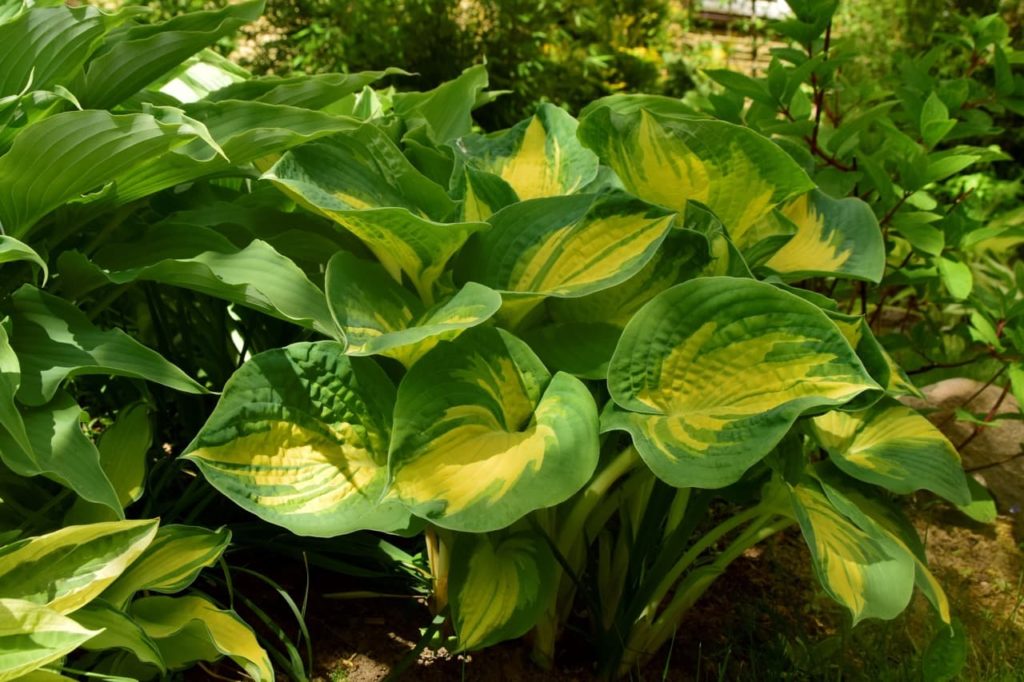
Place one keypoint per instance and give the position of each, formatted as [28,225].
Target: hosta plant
[573,354]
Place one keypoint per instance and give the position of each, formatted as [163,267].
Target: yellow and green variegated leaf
[711,374]
[378,316]
[565,246]
[724,258]
[868,509]
[858,564]
[893,446]
[538,157]
[171,562]
[191,629]
[484,434]
[482,194]
[499,584]
[119,631]
[32,636]
[669,160]
[879,364]
[300,437]
[834,237]
[66,569]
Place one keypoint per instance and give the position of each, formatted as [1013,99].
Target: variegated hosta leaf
[171,562]
[119,631]
[878,362]
[300,437]
[378,316]
[190,629]
[893,446]
[482,194]
[669,160]
[539,157]
[362,181]
[65,569]
[565,246]
[484,434]
[858,563]
[32,635]
[857,505]
[498,585]
[712,373]
[834,237]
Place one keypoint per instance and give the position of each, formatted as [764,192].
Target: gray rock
[996,455]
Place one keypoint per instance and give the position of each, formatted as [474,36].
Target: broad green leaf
[32,636]
[11,421]
[123,448]
[362,181]
[119,631]
[582,349]
[957,277]
[64,570]
[981,508]
[378,316]
[309,91]
[13,250]
[539,157]
[833,238]
[484,435]
[46,46]
[877,361]
[445,110]
[482,194]
[712,373]
[946,655]
[669,160]
[499,584]
[67,155]
[54,341]
[135,57]
[862,568]
[300,438]
[60,451]
[246,132]
[190,629]
[187,256]
[171,563]
[893,446]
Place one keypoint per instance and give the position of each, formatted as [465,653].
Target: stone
[996,455]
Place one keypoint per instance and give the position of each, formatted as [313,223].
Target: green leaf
[190,629]
[60,451]
[309,91]
[54,341]
[539,157]
[860,566]
[499,584]
[956,277]
[946,655]
[445,110]
[981,508]
[893,446]
[133,58]
[742,84]
[380,317]
[64,570]
[484,435]
[32,636]
[13,250]
[119,631]
[46,46]
[300,438]
[11,423]
[67,155]
[670,160]
[712,373]
[256,276]
[833,238]
[935,122]
[171,563]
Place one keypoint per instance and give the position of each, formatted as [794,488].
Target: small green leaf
[946,655]
[935,121]
[956,277]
